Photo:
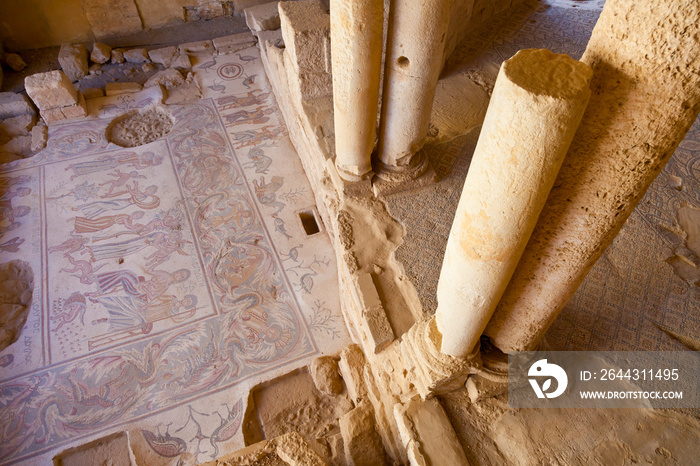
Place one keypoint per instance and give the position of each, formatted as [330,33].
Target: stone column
[646,95]
[536,106]
[416,39]
[356,54]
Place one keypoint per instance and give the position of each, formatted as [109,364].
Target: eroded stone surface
[324,372]
[141,127]
[112,450]
[16,289]
[363,446]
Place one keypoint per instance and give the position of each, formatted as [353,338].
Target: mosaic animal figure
[228,426]
[265,192]
[165,445]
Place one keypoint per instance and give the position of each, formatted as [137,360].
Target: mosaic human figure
[260,161]
[120,178]
[254,117]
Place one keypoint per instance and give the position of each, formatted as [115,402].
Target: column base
[435,372]
[390,179]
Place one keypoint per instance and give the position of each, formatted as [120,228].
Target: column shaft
[536,106]
[415,43]
[356,54]
[646,95]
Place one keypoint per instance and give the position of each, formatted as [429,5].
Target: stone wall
[28,24]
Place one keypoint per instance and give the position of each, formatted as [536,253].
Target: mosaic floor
[169,278]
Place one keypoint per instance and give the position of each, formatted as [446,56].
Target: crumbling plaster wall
[28,24]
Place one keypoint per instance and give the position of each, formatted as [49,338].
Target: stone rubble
[163,56]
[12,105]
[73,59]
[137,55]
[122,88]
[263,17]
[101,53]
[14,61]
[324,372]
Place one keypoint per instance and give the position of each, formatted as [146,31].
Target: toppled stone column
[646,95]
[415,43]
[356,54]
[536,106]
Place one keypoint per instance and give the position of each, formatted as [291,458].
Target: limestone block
[365,292]
[20,145]
[202,46]
[513,168]
[117,56]
[646,60]
[307,86]
[239,6]
[122,88]
[374,317]
[71,112]
[306,30]
[101,53]
[427,434]
[263,17]
[183,94]
[181,62]
[95,69]
[12,104]
[295,451]
[110,18]
[168,78]
[163,56]
[324,372]
[15,62]
[356,53]
[273,37]
[137,55]
[40,136]
[209,9]
[92,93]
[18,126]
[73,59]
[233,43]
[379,329]
[113,449]
[363,446]
[51,90]
[351,364]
